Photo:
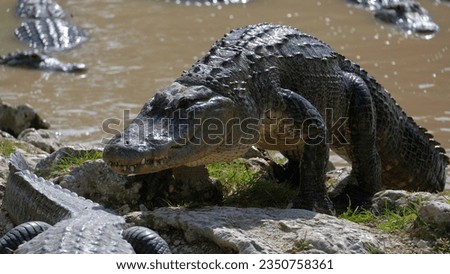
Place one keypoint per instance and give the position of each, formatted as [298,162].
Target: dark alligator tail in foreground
[278,88]
[66,223]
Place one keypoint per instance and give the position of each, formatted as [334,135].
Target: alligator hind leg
[21,234]
[365,178]
[305,143]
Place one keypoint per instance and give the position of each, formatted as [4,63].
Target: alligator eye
[183,103]
[400,8]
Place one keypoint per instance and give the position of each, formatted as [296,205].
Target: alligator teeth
[124,168]
[143,161]
[132,168]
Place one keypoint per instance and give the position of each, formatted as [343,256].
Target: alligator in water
[407,15]
[208,2]
[45,26]
[35,9]
[38,60]
[278,88]
[50,34]
[44,29]
[56,220]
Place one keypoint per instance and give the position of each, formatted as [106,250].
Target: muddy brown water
[139,46]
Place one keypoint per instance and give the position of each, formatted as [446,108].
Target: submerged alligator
[209,2]
[44,29]
[38,9]
[45,26]
[39,60]
[407,15]
[56,220]
[278,88]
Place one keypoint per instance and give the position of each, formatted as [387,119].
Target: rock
[433,221]
[261,230]
[193,185]
[40,138]
[16,119]
[94,180]
[266,169]
[45,167]
[400,199]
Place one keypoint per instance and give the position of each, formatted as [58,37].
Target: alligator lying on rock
[407,15]
[39,60]
[55,220]
[278,88]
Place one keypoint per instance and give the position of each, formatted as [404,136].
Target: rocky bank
[202,225]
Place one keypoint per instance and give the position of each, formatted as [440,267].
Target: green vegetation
[69,162]
[245,187]
[7,147]
[397,220]
[300,245]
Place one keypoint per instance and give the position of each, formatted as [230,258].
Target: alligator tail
[424,159]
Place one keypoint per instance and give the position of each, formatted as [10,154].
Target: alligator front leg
[304,142]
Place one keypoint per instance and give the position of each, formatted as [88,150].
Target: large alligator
[55,220]
[39,60]
[407,15]
[278,88]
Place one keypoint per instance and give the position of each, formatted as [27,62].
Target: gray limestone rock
[93,179]
[16,119]
[262,230]
[399,199]
[433,220]
[40,138]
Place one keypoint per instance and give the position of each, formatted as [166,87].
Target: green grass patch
[358,216]
[398,220]
[245,187]
[69,162]
[7,147]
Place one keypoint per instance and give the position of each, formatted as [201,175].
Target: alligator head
[182,126]
[407,15]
